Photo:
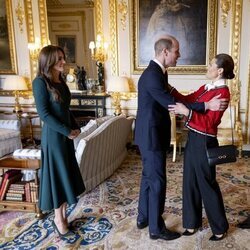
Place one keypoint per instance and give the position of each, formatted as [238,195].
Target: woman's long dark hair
[48,57]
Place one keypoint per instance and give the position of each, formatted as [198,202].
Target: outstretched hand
[178,108]
[217,103]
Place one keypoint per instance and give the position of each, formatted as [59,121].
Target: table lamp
[15,83]
[115,86]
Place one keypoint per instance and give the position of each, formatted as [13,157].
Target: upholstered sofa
[10,138]
[101,152]
[100,148]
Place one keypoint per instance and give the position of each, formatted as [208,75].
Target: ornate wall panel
[113,37]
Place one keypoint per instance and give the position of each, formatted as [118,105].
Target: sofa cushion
[27,153]
[85,130]
[6,134]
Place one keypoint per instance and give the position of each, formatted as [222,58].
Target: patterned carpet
[105,217]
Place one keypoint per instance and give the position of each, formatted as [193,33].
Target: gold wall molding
[20,15]
[225,6]
[58,5]
[44,34]
[234,84]
[29,21]
[98,17]
[235,48]
[123,10]
[113,37]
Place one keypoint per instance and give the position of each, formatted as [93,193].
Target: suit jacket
[153,124]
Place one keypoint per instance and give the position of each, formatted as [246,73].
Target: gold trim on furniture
[11,40]
[211,41]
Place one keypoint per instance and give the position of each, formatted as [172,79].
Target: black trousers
[152,190]
[200,185]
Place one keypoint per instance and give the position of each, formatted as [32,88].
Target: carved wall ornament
[123,10]
[20,15]
[113,37]
[225,8]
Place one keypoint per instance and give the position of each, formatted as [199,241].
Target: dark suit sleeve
[154,82]
[189,100]
[197,106]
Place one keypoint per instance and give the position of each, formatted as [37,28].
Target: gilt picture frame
[68,43]
[193,23]
[7,43]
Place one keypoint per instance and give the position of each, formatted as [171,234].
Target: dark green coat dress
[60,179]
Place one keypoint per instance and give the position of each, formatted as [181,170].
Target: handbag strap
[231,122]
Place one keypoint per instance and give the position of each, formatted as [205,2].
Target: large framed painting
[68,43]
[192,22]
[7,43]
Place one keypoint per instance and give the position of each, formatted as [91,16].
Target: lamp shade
[118,84]
[14,82]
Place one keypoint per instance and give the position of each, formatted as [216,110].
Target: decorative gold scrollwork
[225,7]
[20,15]
[123,10]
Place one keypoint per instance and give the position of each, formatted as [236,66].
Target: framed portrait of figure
[7,43]
[192,22]
[68,43]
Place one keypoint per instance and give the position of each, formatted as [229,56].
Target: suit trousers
[200,185]
[152,189]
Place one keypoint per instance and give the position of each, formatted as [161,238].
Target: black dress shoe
[165,235]
[245,224]
[142,224]
[216,238]
[188,233]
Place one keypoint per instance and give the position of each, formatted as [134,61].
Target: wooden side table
[85,107]
[29,117]
[21,164]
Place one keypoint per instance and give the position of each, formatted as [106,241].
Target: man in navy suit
[152,135]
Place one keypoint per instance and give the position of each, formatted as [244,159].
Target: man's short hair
[163,43]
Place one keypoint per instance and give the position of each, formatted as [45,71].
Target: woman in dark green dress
[61,180]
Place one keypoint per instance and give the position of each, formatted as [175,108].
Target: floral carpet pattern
[105,218]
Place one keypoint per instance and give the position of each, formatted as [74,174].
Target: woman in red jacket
[199,179]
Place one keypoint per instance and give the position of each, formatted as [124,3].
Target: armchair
[176,137]
[10,138]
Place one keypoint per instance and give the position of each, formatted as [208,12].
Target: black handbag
[222,154]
